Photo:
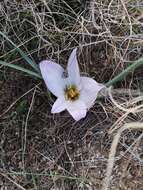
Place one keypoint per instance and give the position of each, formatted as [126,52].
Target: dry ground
[41,151]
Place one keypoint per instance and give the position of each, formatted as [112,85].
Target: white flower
[74,93]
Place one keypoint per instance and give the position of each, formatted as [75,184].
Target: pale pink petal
[90,91]
[52,75]
[59,105]
[73,69]
[77,109]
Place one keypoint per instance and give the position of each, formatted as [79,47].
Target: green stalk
[124,73]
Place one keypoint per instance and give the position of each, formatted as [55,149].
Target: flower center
[71,93]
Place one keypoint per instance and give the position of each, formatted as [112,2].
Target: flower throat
[71,93]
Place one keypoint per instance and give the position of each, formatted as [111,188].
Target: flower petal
[90,91]
[59,105]
[73,69]
[52,75]
[77,109]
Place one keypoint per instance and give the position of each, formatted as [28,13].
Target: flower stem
[124,73]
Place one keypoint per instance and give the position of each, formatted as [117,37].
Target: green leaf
[124,73]
[24,56]
[21,69]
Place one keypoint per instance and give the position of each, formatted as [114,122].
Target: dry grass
[40,151]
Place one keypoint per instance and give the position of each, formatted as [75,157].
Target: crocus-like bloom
[75,93]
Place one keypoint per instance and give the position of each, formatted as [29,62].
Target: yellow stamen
[71,93]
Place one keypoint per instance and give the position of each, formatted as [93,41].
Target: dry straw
[111,160]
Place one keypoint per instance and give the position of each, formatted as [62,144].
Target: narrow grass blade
[49,175]
[33,64]
[124,73]
[21,69]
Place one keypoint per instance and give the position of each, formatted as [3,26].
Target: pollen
[71,93]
